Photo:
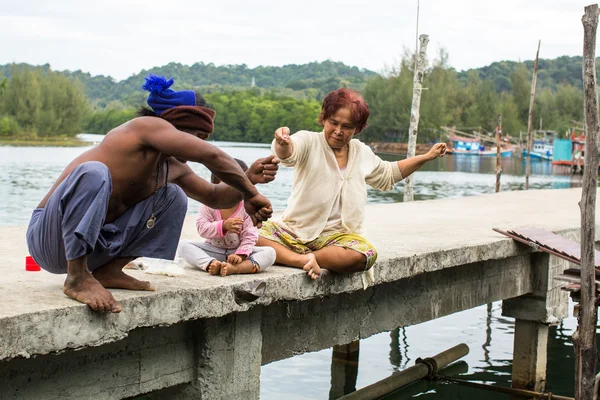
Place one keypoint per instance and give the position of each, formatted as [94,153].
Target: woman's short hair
[346,98]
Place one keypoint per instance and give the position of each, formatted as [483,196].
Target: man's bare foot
[214,268]
[229,269]
[311,267]
[86,289]
[117,279]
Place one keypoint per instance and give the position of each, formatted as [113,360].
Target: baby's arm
[207,225]
[248,238]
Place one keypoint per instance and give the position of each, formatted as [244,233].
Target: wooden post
[498,144]
[530,119]
[414,114]
[584,338]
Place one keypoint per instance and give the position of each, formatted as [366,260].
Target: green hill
[551,72]
[312,80]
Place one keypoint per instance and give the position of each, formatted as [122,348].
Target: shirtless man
[127,197]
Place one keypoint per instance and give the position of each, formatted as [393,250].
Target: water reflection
[488,335]
[344,369]
[399,358]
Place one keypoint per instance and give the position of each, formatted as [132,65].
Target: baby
[230,241]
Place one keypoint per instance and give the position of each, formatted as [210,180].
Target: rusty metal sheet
[549,242]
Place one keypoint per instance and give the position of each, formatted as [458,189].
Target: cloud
[121,37]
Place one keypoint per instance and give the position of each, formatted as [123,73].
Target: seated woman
[323,223]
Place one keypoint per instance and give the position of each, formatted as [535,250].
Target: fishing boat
[542,150]
[461,145]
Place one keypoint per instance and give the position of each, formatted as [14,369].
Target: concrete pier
[191,338]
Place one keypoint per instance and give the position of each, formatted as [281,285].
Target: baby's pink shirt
[210,226]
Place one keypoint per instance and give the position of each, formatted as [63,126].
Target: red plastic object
[31,265]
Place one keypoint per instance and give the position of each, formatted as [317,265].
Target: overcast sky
[121,37]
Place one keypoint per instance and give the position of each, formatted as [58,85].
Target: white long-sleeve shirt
[318,182]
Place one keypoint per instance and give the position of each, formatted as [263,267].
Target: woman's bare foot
[214,268]
[117,279]
[229,269]
[311,267]
[86,289]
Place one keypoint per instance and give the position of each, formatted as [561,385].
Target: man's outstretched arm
[165,138]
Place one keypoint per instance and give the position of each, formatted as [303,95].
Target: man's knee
[92,176]
[93,169]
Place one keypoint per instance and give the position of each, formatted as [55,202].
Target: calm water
[26,173]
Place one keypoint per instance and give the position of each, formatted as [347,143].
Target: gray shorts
[72,223]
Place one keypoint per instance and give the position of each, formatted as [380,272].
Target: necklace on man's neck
[152,218]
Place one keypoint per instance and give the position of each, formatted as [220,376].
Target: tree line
[312,80]
[36,101]
[467,101]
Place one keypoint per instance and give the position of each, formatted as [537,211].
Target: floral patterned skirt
[273,231]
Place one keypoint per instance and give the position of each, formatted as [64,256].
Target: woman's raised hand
[438,150]
[282,136]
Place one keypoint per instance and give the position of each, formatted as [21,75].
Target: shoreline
[58,142]
[398,148]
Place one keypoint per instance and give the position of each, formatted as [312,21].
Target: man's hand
[233,225]
[438,150]
[263,170]
[258,208]
[234,259]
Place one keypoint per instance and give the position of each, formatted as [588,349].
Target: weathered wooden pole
[498,155]
[414,113]
[584,338]
[530,119]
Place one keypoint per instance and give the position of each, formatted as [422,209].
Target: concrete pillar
[229,357]
[534,313]
[530,355]
[344,369]
[227,354]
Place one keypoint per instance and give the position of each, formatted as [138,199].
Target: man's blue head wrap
[161,98]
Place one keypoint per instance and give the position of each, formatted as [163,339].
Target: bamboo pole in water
[498,143]
[407,376]
[584,338]
[414,113]
[530,120]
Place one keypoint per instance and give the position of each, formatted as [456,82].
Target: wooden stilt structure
[530,120]
[414,113]
[498,157]
[584,338]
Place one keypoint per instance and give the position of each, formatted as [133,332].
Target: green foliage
[41,103]
[253,117]
[474,99]
[313,79]
[101,121]
[8,126]
[551,73]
